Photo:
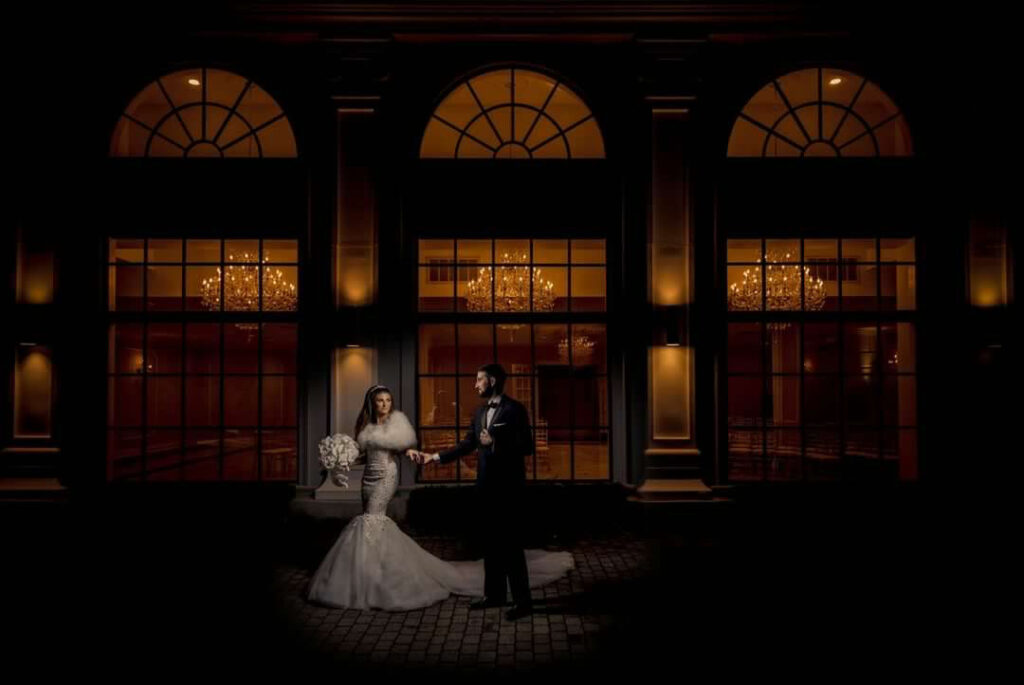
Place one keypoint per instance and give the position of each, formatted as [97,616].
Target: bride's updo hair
[369,413]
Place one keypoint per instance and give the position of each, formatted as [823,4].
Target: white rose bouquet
[337,454]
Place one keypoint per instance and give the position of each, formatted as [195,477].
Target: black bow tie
[493,404]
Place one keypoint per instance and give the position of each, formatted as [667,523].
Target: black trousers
[501,527]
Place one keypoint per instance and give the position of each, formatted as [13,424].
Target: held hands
[485,437]
[421,457]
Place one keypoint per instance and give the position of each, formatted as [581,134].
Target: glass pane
[124,449]
[476,347]
[550,289]
[202,348]
[280,454]
[589,347]
[437,402]
[436,250]
[590,454]
[163,354]
[279,401]
[437,348]
[824,249]
[126,250]
[124,401]
[280,288]
[515,352]
[860,287]
[202,401]
[202,288]
[782,251]
[474,252]
[860,349]
[125,288]
[521,388]
[469,401]
[240,400]
[588,252]
[163,401]
[240,454]
[241,288]
[746,400]
[782,285]
[590,401]
[512,251]
[744,288]
[745,450]
[898,250]
[241,348]
[899,288]
[548,347]
[899,348]
[863,401]
[863,445]
[783,401]
[512,289]
[550,251]
[745,350]
[280,347]
[202,455]
[554,398]
[821,460]
[554,453]
[241,251]
[127,348]
[821,348]
[821,400]
[783,460]
[744,250]
[437,441]
[437,288]
[163,288]
[161,250]
[783,347]
[163,455]
[900,401]
[859,250]
[588,289]
[475,292]
[281,251]
[202,251]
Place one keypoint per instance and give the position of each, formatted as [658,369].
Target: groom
[501,436]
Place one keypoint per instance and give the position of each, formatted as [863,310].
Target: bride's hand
[411,453]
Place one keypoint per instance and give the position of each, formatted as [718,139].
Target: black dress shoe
[518,611]
[485,603]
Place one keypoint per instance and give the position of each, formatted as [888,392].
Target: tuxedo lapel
[502,407]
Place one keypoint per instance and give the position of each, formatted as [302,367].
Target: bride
[373,564]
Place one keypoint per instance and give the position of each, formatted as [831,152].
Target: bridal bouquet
[337,453]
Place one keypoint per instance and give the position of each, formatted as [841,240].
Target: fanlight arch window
[820,112]
[512,114]
[203,113]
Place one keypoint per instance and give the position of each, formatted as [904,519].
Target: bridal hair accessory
[337,453]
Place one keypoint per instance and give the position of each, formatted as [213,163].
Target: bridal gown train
[373,564]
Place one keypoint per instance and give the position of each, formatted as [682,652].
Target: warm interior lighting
[193,82]
[782,287]
[352,346]
[582,349]
[242,288]
[512,288]
[835,81]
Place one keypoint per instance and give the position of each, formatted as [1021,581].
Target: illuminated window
[202,372]
[512,114]
[821,376]
[820,113]
[203,113]
[557,369]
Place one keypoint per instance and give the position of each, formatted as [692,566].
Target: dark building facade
[715,246]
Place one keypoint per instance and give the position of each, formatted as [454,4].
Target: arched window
[203,113]
[820,112]
[512,114]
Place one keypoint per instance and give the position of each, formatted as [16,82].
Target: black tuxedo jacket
[502,463]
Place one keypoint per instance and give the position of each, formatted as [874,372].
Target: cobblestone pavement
[564,629]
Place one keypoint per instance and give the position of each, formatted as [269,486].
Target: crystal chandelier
[781,290]
[582,348]
[512,288]
[242,288]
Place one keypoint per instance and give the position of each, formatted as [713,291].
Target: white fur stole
[395,434]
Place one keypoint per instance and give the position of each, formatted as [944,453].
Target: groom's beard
[487,392]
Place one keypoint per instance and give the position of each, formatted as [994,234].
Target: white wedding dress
[374,565]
